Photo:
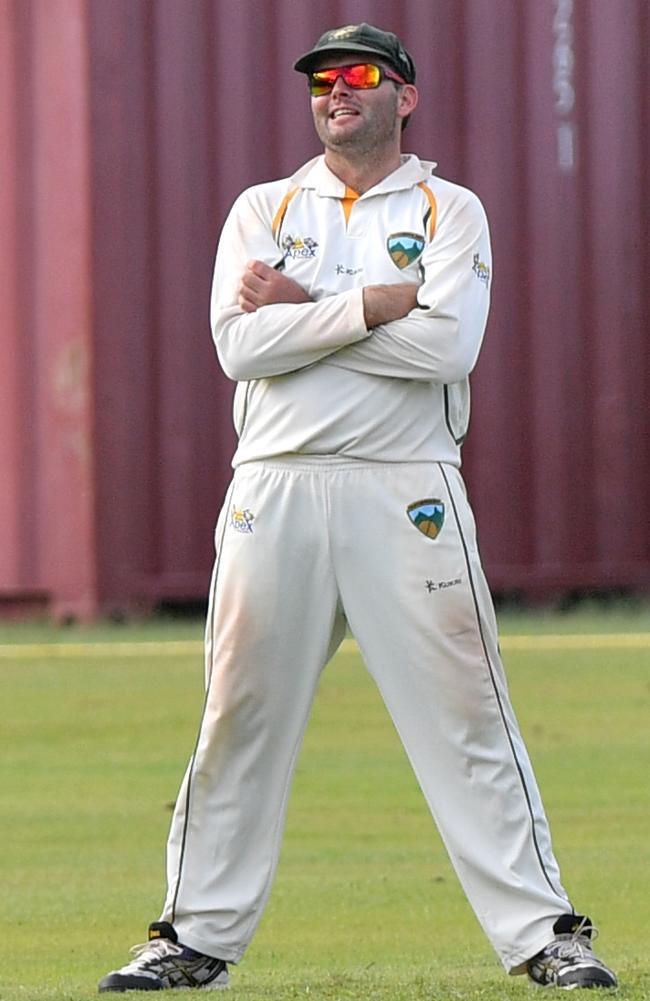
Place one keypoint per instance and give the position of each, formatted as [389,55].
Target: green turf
[365,905]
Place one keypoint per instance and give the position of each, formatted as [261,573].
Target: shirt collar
[317,176]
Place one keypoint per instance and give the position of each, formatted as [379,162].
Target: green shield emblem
[427,516]
[404,248]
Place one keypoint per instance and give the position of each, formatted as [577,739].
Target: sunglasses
[361,76]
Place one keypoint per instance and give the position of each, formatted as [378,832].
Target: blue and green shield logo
[427,516]
[404,248]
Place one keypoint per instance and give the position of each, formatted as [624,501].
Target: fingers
[247,303]
[261,285]
[260,269]
[253,286]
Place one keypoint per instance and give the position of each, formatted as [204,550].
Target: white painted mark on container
[564,85]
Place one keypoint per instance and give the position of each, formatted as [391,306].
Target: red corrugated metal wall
[127,127]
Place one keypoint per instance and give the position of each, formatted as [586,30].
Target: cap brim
[305,63]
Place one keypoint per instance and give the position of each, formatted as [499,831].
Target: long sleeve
[440,340]
[312,378]
[278,338]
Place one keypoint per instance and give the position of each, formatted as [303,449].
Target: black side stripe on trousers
[188,792]
[497,696]
[244,410]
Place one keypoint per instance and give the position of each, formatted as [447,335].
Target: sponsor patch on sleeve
[481,270]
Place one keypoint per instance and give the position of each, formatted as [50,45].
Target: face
[360,121]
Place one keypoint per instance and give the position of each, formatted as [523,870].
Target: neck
[363,172]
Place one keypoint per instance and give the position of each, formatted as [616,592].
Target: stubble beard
[377,133]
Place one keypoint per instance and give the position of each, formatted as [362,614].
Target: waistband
[328,463]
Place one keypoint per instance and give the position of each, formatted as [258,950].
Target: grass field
[94,740]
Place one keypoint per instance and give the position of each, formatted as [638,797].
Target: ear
[408,99]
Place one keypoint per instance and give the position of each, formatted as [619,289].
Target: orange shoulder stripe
[433,208]
[282,211]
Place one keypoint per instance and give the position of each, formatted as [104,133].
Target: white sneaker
[162,963]
[568,961]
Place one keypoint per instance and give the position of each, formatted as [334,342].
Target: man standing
[349,304]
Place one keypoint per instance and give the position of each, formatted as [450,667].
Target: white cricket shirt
[311,378]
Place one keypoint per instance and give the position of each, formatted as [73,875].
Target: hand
[262,285]
[383,303]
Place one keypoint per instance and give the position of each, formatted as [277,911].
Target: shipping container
[127,128]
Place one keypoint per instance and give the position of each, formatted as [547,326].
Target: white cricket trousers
[304,547]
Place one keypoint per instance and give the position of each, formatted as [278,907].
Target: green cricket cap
[366,40]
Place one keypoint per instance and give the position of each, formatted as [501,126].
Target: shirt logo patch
[481,270]
[404,248]
[427,516]
[299,246]
[241,519]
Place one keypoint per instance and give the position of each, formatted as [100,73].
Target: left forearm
[440,348]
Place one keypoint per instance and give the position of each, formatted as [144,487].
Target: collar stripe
[348,200]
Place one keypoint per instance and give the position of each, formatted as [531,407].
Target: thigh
[413,591]
[273,615]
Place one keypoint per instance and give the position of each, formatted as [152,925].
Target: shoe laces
[158,946]
[575,943]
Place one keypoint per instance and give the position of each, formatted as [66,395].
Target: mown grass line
[183,648]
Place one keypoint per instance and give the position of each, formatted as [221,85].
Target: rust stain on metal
[70,377]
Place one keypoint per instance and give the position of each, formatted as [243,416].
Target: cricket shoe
[162,963]
[568,961]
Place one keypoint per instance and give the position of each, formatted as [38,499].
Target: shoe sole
[214,985]
[586,984]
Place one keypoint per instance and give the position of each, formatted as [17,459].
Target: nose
[340,86]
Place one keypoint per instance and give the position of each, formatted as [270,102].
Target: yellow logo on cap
[344,32]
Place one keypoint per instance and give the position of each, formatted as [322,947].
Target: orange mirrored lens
[362,76]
